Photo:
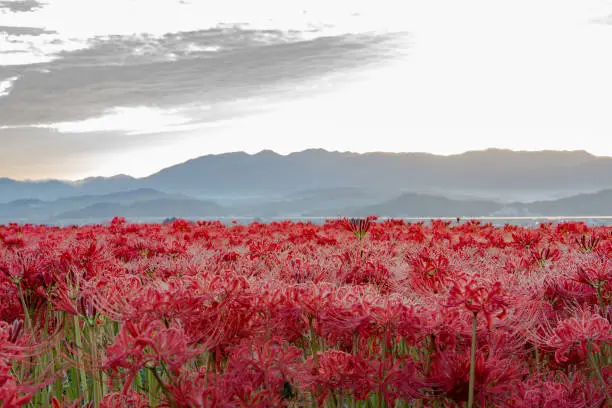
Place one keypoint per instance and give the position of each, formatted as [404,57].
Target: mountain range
[321,183]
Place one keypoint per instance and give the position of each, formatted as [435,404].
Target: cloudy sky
[101,87]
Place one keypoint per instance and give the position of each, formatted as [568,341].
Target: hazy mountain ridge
[501,172]
[421,205]
[156,208]
[321,183]
[135,207]
[35,210]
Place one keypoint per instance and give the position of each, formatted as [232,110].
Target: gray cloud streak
[86,83]
[21,6]
[19,31]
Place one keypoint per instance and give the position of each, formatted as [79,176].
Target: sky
[104,87]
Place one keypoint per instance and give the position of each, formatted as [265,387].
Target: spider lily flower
[359,226]
[545,256]
[477,297]
[496,375]
[131,399]
[596,273]
[573,336]
[340,371]
[587,243]
[556,390]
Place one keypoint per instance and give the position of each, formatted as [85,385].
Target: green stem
[313,345]
[97,375]
[163,387]
[58,386]
[595,368]
[151,387]
[79,351]
[26,313]
[472,363]
[600,297]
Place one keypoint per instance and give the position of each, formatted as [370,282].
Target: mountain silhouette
[317,182]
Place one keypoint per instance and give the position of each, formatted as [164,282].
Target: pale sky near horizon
[87,88]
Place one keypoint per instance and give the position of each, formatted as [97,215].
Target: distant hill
[595,204]
[152,205]
[158,208]
[489,170]
[141,194]
[501,175]
[321,183]
[34,210]
[422,205]
[324,201]
[105,185]
[11,190]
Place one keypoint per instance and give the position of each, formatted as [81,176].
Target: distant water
[496,221]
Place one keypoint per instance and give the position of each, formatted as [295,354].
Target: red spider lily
[231,316]
[496,375]
[573,337]
[403,382]
[11,394]
[596,273]
[479,297]
[555,390]
[15,331]
[412,323]
[366,271]
[563,293]
[519,264]
[12,243]
[199,390]
[147,345]
[26,268]
[526,238]
[258,375]
[429,272]
[337,371]
[574,228]
[130,399]
[359,226]
[545,255]
[71,297]
[283,311]
[587,244]
[11,345]
[341,323]
[128,350]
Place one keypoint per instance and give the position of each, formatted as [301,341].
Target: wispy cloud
[19,31]
[21,6]
[30,46]
[139,71]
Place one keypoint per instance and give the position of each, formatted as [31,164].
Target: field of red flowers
[352,313]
